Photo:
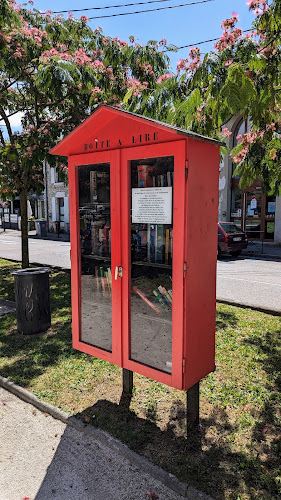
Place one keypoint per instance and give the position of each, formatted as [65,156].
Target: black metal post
[192,405]
[127,382]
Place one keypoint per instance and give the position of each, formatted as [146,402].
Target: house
[56,200]
[252,210]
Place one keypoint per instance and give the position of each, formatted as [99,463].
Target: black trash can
[41,227]
[32,295]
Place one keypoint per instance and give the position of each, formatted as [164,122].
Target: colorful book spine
[160,244]
[167,246]
[97,278]
[145,299]
[169,179]
[103,282]
[109,276]
[159,298]
[164,296]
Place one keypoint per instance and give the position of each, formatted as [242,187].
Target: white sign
[254,203]
[14,218]
[271,207]
[152,205]
[6,217]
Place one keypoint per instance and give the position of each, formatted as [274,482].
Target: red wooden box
[143,222]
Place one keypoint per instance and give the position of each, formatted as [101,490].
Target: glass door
[253,214]
[96,254]
[151,236]
[154,211]
[95,248]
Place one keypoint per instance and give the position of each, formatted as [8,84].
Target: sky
[180,26]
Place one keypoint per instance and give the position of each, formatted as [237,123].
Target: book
[145,179]
[109,276]
[145,299]
[103,282]
[164,296]
[160,243]
[169,179]
[159,298]
[97,278]
[167,246]
[93,186]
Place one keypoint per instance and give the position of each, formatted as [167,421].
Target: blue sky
[180,26]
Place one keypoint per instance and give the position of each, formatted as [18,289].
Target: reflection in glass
[95,238]
[253,214]
[151,262]
[270,217]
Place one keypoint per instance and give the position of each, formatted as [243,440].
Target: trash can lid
[32,270]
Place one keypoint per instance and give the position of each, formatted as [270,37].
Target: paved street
[52,253]
[250,281]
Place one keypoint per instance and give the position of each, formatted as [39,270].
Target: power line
[115,6]
[150,10]
[200,43]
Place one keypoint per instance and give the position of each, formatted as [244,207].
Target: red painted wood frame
[120,201]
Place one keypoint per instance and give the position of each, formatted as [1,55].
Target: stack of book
[103,279]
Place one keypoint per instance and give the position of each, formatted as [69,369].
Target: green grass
[236,452]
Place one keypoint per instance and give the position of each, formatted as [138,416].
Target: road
[251,282]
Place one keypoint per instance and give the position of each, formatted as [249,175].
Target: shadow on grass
[33,353]
[225,319]
[269,423]
[203,461]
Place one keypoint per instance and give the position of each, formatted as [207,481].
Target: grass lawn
[236,452]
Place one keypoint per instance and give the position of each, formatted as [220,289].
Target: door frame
[176,149]
[113,158]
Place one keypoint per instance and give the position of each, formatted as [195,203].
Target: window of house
[61,209]
[58,175]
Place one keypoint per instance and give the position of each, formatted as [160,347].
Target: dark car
[231,239]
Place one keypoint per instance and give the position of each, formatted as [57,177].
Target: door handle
[118,272]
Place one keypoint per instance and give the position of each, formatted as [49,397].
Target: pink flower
[84,19]
[226,132]
[162,78]
[229,62]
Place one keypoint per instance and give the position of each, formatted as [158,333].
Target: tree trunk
[24,229]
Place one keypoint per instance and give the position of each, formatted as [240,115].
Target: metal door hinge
[183,365]
[186,168]
[184,269]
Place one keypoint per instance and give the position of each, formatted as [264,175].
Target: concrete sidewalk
[32,234]
[263,250]
[44,458]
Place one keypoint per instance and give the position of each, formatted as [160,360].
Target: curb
[156,472]
[245,306]
[261,255]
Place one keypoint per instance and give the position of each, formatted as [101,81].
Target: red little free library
[143,224]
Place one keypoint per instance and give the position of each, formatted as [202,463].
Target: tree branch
[2,140]
[7,123]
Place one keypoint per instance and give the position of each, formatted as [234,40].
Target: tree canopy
[241,76]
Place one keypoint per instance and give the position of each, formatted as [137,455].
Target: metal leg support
[127,382]
[192,405]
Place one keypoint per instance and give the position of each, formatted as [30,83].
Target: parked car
[231,239]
